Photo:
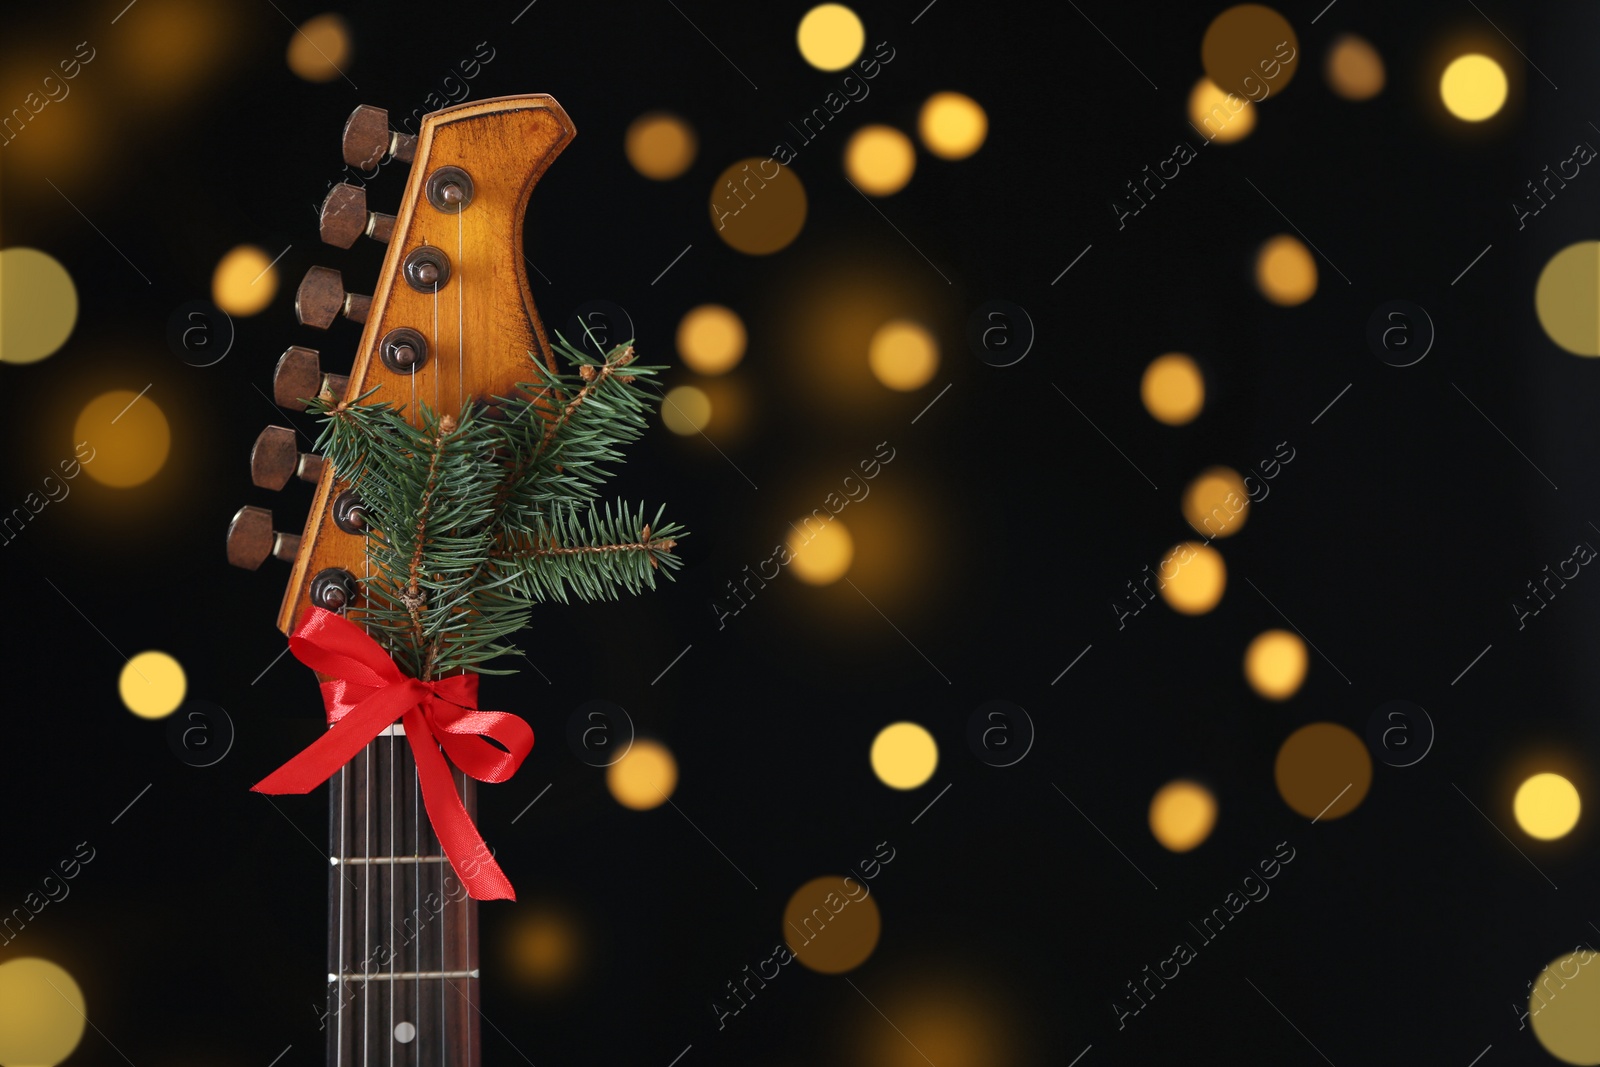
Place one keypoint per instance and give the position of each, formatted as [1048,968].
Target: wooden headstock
[451,317]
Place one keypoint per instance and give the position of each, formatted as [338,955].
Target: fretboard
[402,932]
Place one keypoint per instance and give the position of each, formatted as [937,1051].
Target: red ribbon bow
[367,693]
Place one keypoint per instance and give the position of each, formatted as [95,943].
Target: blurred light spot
[1473,87]
[1193,578]
[1323,771]
[1546,806]
[245,281]
[127,437]
[879,159]
[660,145]
[1275,664]
[1173,389]
[172,45]
[1564,1008]
[952,125]
[1285,272]
[831,924]
[320,48]
[711,339]
[42,1013]
[1251,51]
[1219,116]
[1567,298]
[1355,69]
[1182,814]
[903,355]
[685,410]
[152,685]
[758,206]
[645,777]
[821,553]
[945,1020]
[1216,503]
[830,37]
[545,946]
[38,305]
[904,755]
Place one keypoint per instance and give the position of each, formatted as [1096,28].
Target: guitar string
[461,385]
[388,930]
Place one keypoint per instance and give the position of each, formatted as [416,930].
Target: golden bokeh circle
[1220,116]
[1567,298]
[1323,771]
[1250,50]
[879,160]
[245,281]
[1182,815]
[644,777]
[545,948]
[952,125]
[1473,87]
[1547,806]
[1354,69]
[758,206]
[127,436]
[685,410]
[42,1013]
[1173,389]
[38,305]
[320,48]
[1564,1008]
[1275,664]
[904,755]
[1216,504]
[903,355]
[830,36]
[820,554]
[152,685]
[711,339]
[660,145]
[1286,273]
[1193,578]
[831,924]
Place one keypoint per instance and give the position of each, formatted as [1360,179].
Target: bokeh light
[685,410]
[904,755]
[821,554]
[944,1018]
[879,160]
[1354,69]
[42,1013]
[1251,51]
[1567,298]
[903,355]
[711,339]
[1173,389]
[1216,503]
[1323,771]
[830,36]
[1219,116]
[1564,1008]
[758,206]
[38,305]
[245,281]
[1473,87]
[660,145]
[1275,664]
[1285,272]
[152,685]
[319,50]
[952,125]
[127,437]
[644,777]
[831,924]
[545,948]
[1193,578]
[1182,814]
[1547,806]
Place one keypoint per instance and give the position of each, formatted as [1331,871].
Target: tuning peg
[321,298]
[299,376]
[274,460]
[251,539]
[345,217]
[368,141]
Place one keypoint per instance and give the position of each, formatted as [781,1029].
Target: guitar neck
[402,932]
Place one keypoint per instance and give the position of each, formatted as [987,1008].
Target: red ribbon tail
[459,839]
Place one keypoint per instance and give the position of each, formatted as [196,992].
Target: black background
[994,542]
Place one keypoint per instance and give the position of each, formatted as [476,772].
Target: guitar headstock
[451,317]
